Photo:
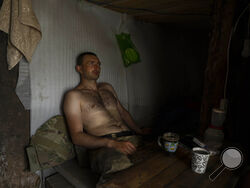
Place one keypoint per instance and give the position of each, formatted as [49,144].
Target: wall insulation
[70,27]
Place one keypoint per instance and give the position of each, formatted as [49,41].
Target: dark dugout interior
[179,113]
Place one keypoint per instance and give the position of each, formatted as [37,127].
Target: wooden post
[14,129]
[215,73]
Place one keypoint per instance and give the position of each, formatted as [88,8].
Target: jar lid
[217,110]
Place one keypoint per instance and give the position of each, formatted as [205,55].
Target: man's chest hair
[97,100]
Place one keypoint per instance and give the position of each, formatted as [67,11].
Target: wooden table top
[158,169]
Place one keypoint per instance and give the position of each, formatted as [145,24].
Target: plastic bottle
[218,117]
[213,138]
[214,134]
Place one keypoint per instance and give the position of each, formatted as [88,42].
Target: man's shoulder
[73,94]
[107,86]
[104,85]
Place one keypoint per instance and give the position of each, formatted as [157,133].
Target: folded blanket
[19,21]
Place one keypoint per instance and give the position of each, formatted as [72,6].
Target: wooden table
[156,169]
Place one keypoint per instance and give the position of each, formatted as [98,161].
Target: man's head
[88,65]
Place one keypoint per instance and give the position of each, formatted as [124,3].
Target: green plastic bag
[128,50]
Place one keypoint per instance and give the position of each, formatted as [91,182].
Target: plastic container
[213,138]
[218,117]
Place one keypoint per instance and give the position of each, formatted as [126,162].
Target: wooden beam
[215,73]
[157,9]
[14,129]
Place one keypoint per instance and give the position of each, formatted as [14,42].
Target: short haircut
[80,57]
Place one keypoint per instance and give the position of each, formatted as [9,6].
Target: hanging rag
[19,21]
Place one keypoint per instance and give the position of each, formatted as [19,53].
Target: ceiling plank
[161,10]
[174,18]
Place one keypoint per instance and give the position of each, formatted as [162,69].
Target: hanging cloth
[19,21]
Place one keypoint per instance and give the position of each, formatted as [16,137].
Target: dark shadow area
[238,91]
[181,116]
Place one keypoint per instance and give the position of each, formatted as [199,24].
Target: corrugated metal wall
[70,27]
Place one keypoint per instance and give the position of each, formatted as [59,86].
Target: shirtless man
[92,110]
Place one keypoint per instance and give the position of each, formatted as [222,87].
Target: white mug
[199,161]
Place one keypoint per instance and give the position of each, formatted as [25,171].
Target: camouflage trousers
[108,160]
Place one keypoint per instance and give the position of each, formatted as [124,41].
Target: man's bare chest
[97,100]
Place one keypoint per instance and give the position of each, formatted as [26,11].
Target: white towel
[19,21]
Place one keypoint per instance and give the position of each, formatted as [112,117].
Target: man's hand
[124,147]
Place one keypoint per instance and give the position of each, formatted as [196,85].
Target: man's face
[90,67]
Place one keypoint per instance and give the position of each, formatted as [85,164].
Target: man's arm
[72,110]
[131,123]
[125,115]
[128,119]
